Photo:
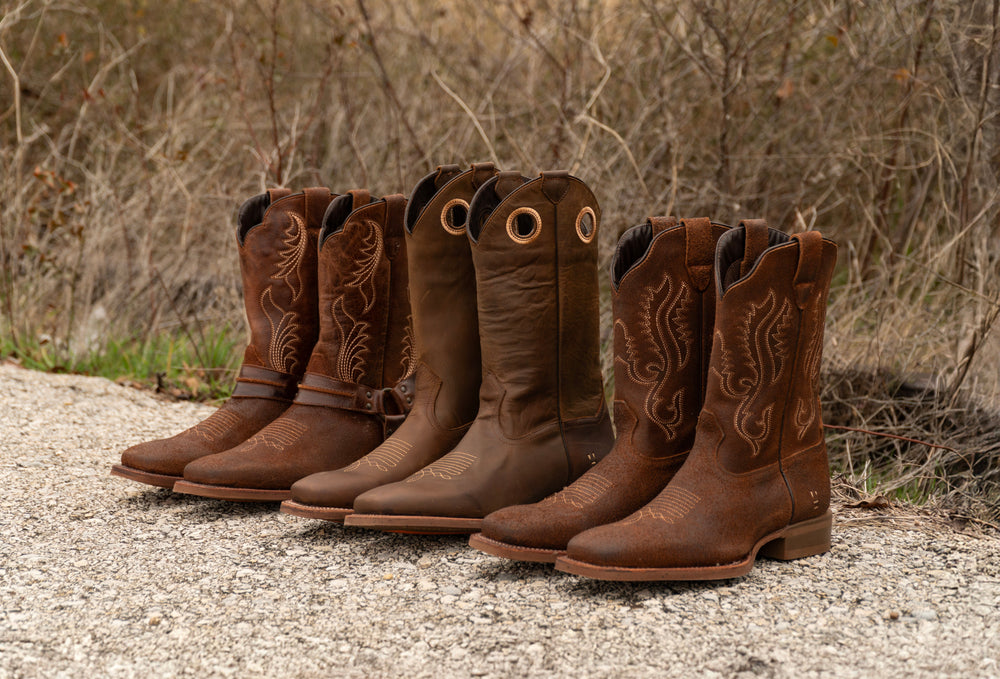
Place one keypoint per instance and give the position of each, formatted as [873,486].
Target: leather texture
[446,343]
[359,375]
[542,418]
[663,303]
[276,240]
[759,465]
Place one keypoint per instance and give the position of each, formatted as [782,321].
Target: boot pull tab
[555,184]
[699,251]
[395,207]
[359,198]
[658,224]
[317,200]
[507,183]
[810,262]
[278,194]
[755,243]
[481,172]
[445,173]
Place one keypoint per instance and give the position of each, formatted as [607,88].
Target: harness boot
[757,479]
[663,299]
[276,238]
[446,341]
[355,389]
[542,419]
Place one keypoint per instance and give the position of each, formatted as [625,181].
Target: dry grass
[129,131]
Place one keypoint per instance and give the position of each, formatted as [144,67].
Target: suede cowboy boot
[446,337]
[276,238]
[355,389]
[542,419]
[663,299]
[757,479]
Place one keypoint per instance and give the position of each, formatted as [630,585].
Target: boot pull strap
[507,183]
[317,200]
[755,243]
[658,224]
[445,173]
[555,184]
[359,198]
[810,261]
[481,172]
[395,207]
[699,251]
[277,194]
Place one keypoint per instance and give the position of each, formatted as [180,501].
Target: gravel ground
[102,577]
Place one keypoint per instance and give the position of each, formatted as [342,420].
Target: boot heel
[807,538]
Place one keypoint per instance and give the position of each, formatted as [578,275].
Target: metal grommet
[402,388]
[409,399]
[453,216]
[586,225]
[368,394]
[524,224]
[368,406]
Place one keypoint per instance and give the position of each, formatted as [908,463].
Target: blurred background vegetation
[130,130]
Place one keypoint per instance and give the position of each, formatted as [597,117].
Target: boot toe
[331,489]
[157,457]
[609,545]
[406,499]
[530,526]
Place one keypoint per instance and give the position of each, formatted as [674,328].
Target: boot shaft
[443,291]
[534,245]
[763,391]
[364,336]
[276,237]
[663,301]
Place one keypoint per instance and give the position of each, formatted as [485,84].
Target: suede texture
[663,302]
[360,367]
[759,462]
[276,239]
[542,419]
[446,343]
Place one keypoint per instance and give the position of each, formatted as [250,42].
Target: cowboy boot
[276,239]
[663,299]
[542,418]
[446,342]
[358,379]
[757,479]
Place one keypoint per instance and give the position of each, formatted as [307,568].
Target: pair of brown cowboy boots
[500,377]
[328,372]
[720,453]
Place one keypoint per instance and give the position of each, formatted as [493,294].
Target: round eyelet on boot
[524,224]
[586,225]
[453,216]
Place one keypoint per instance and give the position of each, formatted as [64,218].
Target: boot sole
[312,512]
[149,478]
[806,538]
[228,493]
[514,552]
[417,525]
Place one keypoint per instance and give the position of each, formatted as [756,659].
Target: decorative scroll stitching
[409,360]
[278,435]
[384,458]
[282,351]
[670,506]
[585,491]
[763,343]
[448,467]
[661,347]
[290,257]
[218,424]
[806,408]
[369,256]
[354,343]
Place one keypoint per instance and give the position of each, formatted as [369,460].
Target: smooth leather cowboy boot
[446,341]
[359,377]
[757,479]
[276,237]
[663,300]
[542,419]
